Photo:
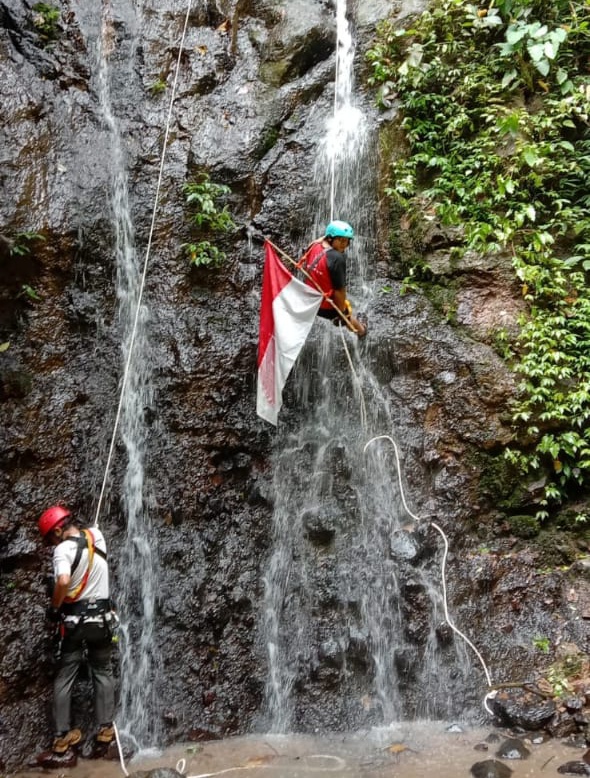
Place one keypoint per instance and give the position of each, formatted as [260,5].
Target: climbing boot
[106,734]
[65,741]
[104,745]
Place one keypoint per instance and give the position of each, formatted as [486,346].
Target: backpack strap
[84,541]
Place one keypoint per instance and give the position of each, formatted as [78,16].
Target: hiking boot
[106,734]
[104,745]
[66,740]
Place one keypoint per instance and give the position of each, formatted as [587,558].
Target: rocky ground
[419,750]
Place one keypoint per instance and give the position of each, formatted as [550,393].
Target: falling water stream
[341,542]
[137,558]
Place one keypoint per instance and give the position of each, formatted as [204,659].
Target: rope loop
[435,526]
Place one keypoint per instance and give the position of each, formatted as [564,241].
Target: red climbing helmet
[51,518]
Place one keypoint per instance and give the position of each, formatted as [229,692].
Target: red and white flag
[287,312]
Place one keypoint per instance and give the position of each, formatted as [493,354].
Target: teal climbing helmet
[338,229]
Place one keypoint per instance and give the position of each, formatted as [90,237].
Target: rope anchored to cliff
[435,526]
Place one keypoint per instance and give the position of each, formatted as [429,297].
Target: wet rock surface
[420,750]
[490,768]
[513,748]
[254,91]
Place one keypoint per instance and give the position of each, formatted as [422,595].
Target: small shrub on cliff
[157,87]
[45,19]
[22,242]
[494,105]
[209,219]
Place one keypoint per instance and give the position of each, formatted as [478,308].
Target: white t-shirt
[97,586]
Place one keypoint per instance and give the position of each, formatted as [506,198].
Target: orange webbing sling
[85,540]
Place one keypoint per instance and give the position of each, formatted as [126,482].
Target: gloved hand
[347,308]
[53,614]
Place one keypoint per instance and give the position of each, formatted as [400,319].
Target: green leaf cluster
[209,218]
[494,103]
[45,19]
[21,243]
[158,86]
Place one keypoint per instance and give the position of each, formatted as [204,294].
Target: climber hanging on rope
[325,263]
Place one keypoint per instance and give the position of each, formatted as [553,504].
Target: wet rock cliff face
[253,92]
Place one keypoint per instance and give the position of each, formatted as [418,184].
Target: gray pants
[96,638]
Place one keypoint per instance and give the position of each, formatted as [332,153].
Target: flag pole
[343,316]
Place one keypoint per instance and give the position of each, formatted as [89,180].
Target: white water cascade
[136,588]
[335,603]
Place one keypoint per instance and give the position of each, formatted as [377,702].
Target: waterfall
[136,592]
[335,602]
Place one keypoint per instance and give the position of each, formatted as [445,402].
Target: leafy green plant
[493,106]
[203,253]
[561,674]
[534,47]
[22,241]
[559,683]
[158,86]
[29,293]
[542,643]
[204,196]
[45,19]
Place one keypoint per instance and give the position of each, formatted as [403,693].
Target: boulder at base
[491,768]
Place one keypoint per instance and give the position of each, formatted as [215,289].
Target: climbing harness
[435,526]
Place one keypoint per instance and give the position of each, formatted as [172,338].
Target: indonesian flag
[287,312]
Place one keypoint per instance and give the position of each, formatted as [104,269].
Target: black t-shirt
[337,268]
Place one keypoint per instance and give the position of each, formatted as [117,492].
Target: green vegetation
[268,140]
[45,19]
[562,673]
[203,196]
[542,643]
[29,293]
[21,243]
[158,86]
[524,526]
[494,109]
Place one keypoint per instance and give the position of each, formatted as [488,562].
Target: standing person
[82,612]
[325,262]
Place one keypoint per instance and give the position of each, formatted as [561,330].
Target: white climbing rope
[120,750]
[338,764]
[145,268]
[357,381]
[138,310]
[443,566]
